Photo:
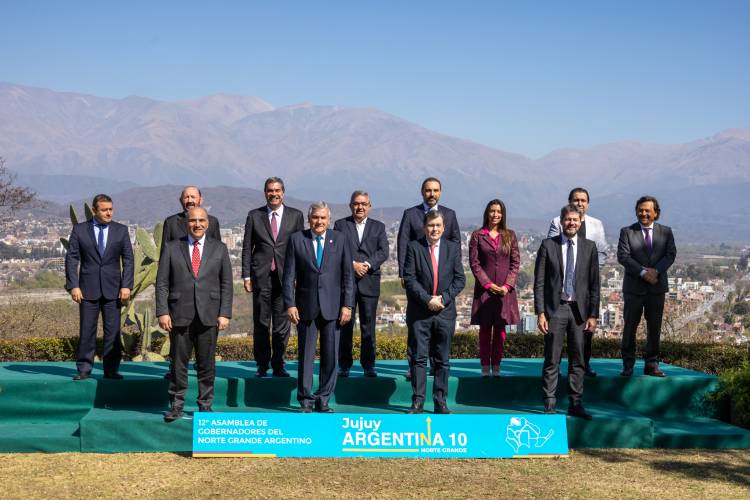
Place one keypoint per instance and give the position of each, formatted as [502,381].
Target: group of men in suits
[319,278]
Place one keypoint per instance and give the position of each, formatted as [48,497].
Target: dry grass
[587,473]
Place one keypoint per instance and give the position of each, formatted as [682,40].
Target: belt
[567,301]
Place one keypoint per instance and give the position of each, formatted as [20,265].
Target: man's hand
[403,284]
[165,322]
[651,276]
[222,323]
[76,295]
[360,268]
[590,325]
[124,294]
[248,284]
[541,323]
[436,303]
[293,314]
[345,315]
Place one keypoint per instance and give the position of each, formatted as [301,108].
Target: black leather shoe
[626,372]
[173,414]
[549,409]
[261,373]
[415,408]
[324,409]
[281,373]
[114,376]
[654,371]
[82,376]
[371,373]
[441,409]
[578,411]
[590,372]
[305,409]
[344,373]
[205,409]
[167,376]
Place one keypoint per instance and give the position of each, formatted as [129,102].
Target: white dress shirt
[200,245]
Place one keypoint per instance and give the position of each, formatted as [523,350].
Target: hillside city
[30,249]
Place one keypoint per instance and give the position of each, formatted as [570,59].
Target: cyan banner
[378,435]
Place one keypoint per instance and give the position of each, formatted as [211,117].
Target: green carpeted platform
[43,409]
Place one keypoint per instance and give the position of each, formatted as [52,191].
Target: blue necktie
[100,238]
[319,251]
[570,271]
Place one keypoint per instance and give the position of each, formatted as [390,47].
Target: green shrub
[734,387]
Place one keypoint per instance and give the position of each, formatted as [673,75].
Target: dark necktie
[649,245]
[100,238]
[570,271]
[319,251]
[275,234]
[196,258]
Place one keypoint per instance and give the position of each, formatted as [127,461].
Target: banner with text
[378,435]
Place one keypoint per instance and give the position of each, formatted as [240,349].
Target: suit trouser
[652,306]
[430,338]
[89,315]
[268,309]
[307,333]
[368,307]
[588,338]
[565,323]
[182,341]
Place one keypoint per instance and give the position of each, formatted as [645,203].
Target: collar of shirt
[200,241]
[427,208]
[565,239]
[651,227]
[279,211]
[364,221]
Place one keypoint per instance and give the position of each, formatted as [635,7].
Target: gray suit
[194,304]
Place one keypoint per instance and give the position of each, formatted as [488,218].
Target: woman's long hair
[503,226]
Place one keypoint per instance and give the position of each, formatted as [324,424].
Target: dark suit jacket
[258,246]
[633,255]
[99,276]
[175,227]
[419,280]
[182,295]
[318,292]
[412,228]
[373,249]
[549,275]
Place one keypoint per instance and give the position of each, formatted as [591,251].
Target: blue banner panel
[378,435]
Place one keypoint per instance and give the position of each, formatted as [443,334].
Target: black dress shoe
[167,376]
[654,372]
[173,414]
[578,411]
[324,409]
[114,376]
[371,373]
[344,373]
[441,409]
[626,372]
[415,408]
[205,409]
[549,409]
[590,372]
[281,373]
[82,376]
[305,409]
[261,373]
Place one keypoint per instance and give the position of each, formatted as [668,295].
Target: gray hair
[318,205]
[359,193]
[569,208]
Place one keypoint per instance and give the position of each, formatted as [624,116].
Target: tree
[12,197]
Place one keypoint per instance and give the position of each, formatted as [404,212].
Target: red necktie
[434,269]
[196,258]
[275,234]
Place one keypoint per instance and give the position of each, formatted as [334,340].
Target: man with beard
[175,226]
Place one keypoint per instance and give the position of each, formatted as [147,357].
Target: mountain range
[68,145]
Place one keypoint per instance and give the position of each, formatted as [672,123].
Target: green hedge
[709,358]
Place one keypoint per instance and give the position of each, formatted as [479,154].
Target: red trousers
[491,344]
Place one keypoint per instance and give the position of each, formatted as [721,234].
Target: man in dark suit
[193,302]
[175,226]
[566,300]
[318,291]
[646,250]
[368,246]
[267,231]
[102,249]
[412,227]
[431,308]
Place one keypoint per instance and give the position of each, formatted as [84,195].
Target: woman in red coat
[494,260]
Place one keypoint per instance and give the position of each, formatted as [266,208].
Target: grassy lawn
[585,474]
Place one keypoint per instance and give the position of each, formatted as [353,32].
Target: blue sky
[523,76]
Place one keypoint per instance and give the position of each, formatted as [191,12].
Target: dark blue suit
[412,228]
[373,249]
[100,279]
[430,333]
[319,295]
